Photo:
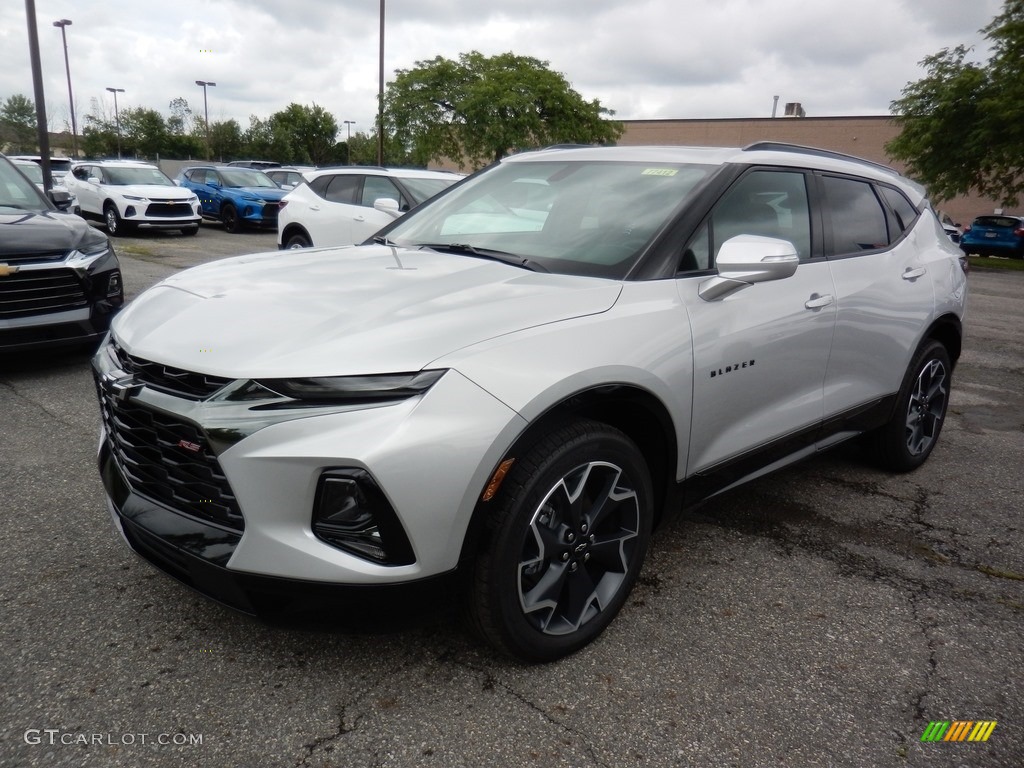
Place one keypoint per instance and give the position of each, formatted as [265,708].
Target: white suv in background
[344,206]
[127,194]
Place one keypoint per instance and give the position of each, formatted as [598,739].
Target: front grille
[169,209]
[33,258]
[167,378]
[168,460]
[39,292]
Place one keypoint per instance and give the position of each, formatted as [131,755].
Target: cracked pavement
[818,617]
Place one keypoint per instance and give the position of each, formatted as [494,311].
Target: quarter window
[906,214]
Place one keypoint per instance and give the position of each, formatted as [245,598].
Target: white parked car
[289,177]
[522,377]
[59,166]
[125,195]
[343,206]
[61,197]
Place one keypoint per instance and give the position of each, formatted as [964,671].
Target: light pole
[348,141]
[380,93]
[206,113]
[117,118]
[71,99]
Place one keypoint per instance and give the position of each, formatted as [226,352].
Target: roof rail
[781,146]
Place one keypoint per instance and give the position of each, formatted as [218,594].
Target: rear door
[881,252]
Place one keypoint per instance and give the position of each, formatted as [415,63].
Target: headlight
[86,253]
[354,389]
[134,197]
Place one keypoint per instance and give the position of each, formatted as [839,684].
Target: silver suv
[511,388]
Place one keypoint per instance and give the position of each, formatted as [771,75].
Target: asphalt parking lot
[822,616]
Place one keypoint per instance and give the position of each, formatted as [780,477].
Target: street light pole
[62,23]
[117,118]
[206,113]
[348,141]
[380,93]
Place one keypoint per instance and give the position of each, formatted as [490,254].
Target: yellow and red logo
[958,730]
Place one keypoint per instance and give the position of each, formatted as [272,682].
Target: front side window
[376,187]
[765,203]
[858,218]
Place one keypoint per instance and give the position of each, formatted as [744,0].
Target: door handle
[359,218]
[314,207]
[911,273]
[818,301]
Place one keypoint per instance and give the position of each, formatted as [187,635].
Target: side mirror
[387,205]
[747,259]
[93,180]
[215,184]
[59,198]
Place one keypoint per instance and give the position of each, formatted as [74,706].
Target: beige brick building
[862,136]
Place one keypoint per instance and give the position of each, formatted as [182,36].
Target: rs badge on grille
[190,446]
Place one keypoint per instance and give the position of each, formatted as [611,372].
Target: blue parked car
[994,235]
[235,196]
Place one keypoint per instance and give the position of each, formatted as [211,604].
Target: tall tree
[311,132]
[18,124]
[962,126]
[478,109]
[226,140]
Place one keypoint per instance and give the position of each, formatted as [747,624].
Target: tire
[115,224]
[905,442]
[190,230]
[297,241]
[232,222]
[564,543]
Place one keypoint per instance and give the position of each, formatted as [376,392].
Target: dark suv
[60,281]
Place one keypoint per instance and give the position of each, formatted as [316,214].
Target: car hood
[263,193]
[25,232]
[155,191]
[344,311]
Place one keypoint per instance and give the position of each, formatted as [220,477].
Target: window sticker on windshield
[659,172]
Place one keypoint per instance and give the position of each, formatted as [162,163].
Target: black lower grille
[170,210]
[167,378]
[40,291]
[270,211]
[169,460]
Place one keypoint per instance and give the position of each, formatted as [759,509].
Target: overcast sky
[642,58]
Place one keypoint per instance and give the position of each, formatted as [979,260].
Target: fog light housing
[114,287]
[352,513]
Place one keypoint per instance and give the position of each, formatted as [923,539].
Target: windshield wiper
[383,240]
[464,249]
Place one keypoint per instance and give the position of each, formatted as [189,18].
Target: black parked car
[60,281]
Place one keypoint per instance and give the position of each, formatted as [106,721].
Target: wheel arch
[294,228]
[636,412]
[948,331]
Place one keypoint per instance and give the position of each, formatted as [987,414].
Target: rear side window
[857,216]
[342,189]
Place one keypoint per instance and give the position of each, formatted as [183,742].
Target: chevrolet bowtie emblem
[6,270]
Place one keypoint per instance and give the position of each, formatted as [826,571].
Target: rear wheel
[297,240]
[232,223]
[566,541]
[906,441]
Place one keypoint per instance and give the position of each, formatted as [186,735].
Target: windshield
[570,217]
[19,193]
[240,177]
[124,176]
[424,189]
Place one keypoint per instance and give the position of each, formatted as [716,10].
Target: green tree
[479,108]
[962,126]
[267,140]
[18,124]
[143,133]
[226,141]
[311,133]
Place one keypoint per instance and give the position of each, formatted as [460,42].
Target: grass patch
[133,250]
[985,262]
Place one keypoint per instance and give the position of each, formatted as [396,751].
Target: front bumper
[431,455]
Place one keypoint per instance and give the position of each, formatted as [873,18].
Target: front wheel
[115,224]
[566,540]
[232,222]
[906,441]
